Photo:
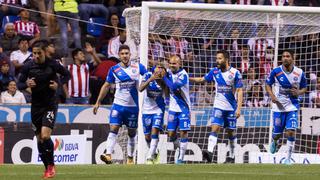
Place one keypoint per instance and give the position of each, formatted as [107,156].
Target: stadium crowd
[89,55]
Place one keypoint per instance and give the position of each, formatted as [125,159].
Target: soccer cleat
[50,172]
[273,147]
[156,159]
[229,160]
[150,161]
[179,161]
[106,158]
[130,160]
[287,162]
[207,155]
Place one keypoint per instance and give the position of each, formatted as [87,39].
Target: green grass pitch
[174,172]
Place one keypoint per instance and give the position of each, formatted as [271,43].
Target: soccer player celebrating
[226,109]
[177,80]
[153,109]
[41,76]
[289,83]
[125,108]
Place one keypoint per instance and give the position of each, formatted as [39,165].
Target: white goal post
[277,22]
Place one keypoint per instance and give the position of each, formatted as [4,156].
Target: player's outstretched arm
[103,92]
[197,79]
[239,101]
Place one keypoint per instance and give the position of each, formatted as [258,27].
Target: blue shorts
[120,115]
[152,121]
[226,119]
[284,120]
[181,119]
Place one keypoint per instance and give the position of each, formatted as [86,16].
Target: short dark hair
[290,51]
[225,53]
[23,38]
[75,52]
[124,46]
[42,44]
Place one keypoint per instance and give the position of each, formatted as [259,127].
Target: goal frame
[145,10]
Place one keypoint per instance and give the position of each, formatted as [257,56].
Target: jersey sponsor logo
[281,78]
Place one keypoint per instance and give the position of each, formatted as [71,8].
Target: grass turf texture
[175,172]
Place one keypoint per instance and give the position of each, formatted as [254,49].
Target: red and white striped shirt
[259,46]
[244,2]
[9,2]
[78,85]
[26,28]
[278,2]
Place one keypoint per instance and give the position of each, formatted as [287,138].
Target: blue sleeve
[110,77]
[303,82]
[209,76]
[270,79]
[238,80]
[142,69]
[145,77]
[177,85]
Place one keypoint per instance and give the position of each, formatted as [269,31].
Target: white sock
[232,145]
[212,141]
[290,146]
[153,148]
[130,146]
[183,148]
[111,141]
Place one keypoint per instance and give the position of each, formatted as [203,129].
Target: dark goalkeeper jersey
[42,95]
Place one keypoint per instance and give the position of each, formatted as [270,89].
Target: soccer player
[125,108]
[226,109]
[177,80]
[153,109]
[41,76]
[289,83]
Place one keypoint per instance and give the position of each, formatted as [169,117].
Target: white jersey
[153,102]
[226,83]
[127,81]
[283,82]
[178,84]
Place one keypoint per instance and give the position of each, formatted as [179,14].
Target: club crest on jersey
[134,70]
[295,78]
[171,117]
[114,113]
[230,76]
[218,113]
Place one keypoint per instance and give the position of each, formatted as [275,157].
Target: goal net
[255,37]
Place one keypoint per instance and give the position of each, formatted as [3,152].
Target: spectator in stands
[245,62]
[278,2]
[108,32]
[121,39]
[116,7]
[21,56]
[5,76]
[68,9]
[12,95]
[177,45]
[234,45]
[10,8]
[27,28]
[91,8]
[248,2]
[9,39]
[314,96]
[78,85]
[255,96]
